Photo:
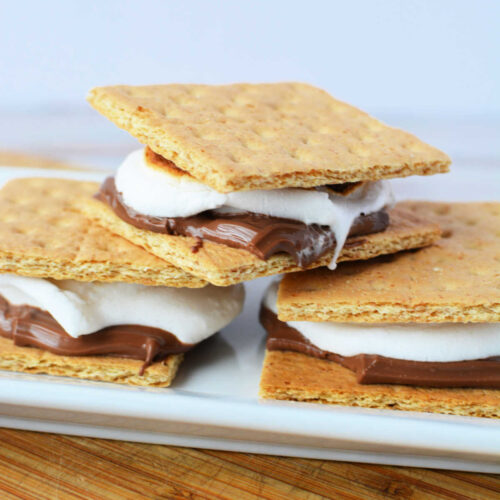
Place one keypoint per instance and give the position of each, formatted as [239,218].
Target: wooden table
[48,466]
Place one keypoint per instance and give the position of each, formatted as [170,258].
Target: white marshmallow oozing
[191,314]
[438,342]
[152,192]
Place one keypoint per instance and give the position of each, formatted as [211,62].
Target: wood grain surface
[48,466]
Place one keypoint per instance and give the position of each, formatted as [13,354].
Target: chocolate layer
[29,326]
[261,235]
[374,369]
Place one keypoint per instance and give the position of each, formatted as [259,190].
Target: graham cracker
[294,376]
[42,235]
[157,162]
[223,265]
[264,136]
[456,280]
[102,368]
[17,159]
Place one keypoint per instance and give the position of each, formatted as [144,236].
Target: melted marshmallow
[150,191]
[414,342]
[191,314]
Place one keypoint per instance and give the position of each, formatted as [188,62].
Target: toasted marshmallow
[151,191]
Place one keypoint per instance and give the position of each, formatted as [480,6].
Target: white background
[396,55]
[432,67]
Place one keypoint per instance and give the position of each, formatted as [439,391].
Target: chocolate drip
[29,326]
[261,235]
[374,369]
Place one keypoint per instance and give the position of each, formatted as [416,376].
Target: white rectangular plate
[213,402]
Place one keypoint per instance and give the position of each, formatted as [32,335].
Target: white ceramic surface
[213,402]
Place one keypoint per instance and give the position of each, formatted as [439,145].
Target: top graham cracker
[264,136]
[455,280]
[42,235]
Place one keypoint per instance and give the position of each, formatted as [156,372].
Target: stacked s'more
[247,180]
[76,300]
[413,331]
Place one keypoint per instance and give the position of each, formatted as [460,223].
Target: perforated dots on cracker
[264,136]
[43,235]
[455,280]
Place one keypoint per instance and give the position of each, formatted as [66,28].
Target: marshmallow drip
[150,191]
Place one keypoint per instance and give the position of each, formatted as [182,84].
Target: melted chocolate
[374,369]
[261,235]
[29,326]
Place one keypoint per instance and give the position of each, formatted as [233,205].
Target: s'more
[78,301]
[419,330]
[247,180]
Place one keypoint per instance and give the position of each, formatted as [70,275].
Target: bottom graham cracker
[293,376]
[222,265]
[101,368]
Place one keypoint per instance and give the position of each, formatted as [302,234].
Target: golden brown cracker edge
[264,136]
[455,280]
[43,235]
[293,376]
[98,368]
[223,265]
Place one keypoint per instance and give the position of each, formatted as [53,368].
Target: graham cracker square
[223,265]
[455,280]
[294,376]
[264,136]
[101,368]
[43,235]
